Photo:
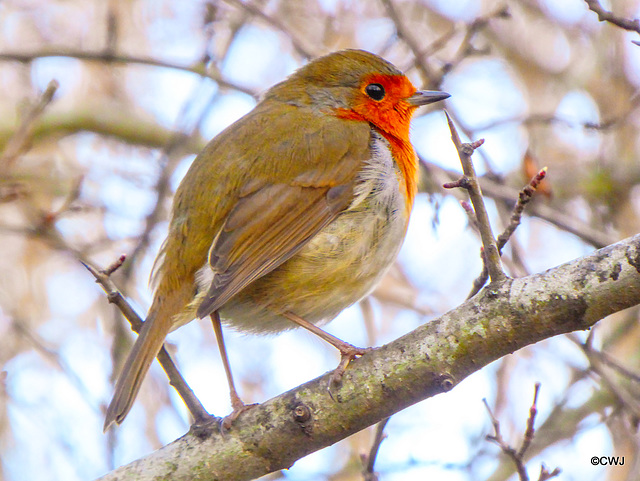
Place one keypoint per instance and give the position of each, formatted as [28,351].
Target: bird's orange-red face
[382,102]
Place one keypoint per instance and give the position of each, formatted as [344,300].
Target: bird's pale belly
[341,265]
[338,267]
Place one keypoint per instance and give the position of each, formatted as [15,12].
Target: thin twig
[530,431]
[466,49]
[429,75]
[369,460]
[54,357]
[198,69]
[516,215]
[597,361]
[296,42]
[524,197]
[114,296]
[502,192]
[607,16]
[471,215]
[517,456]
[470,182]
[552,119]
[471,29]
[545,474]
[611,362]
[20,140]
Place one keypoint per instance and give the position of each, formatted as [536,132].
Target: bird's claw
[238,409]
[347,354]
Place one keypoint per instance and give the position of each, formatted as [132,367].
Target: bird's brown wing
[272,219]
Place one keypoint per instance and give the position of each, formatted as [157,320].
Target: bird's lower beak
[425,97]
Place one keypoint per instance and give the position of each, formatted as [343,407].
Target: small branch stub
[447,383]
[301,413]
[117,264]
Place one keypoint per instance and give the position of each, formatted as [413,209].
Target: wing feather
[269,200]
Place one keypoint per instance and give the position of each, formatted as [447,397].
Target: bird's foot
[238,408]
[348,353]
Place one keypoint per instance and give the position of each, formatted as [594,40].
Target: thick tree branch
[502,318]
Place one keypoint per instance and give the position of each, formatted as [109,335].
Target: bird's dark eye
[375,91]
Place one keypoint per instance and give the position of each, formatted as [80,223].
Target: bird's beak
[425,97]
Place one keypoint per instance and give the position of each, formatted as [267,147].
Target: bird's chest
[339,265]
[365,239]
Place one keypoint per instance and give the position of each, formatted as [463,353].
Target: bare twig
[524,197]
[606,16]
[530,431]
[296,42]
[470,31]
[22,136]
[597,361]
[517,456]
[609,361]
[429,75]
[502,192]
[469,181]
[546,474]
[55,358]
[506,449]
[115,265]
[471,215]
[369,460]
[551,119]
[565,222]
[466,49]
[198,69]
[114,296]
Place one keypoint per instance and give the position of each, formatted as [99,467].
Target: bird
[288,216]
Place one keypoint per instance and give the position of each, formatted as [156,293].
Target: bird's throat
[407,161]
[401,150]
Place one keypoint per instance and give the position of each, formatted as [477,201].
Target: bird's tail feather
[135,368]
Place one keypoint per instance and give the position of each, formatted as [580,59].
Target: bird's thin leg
[236,403]
[348,352]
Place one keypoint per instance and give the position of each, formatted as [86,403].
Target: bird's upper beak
[424,97]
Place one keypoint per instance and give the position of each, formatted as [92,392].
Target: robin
[290,215]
